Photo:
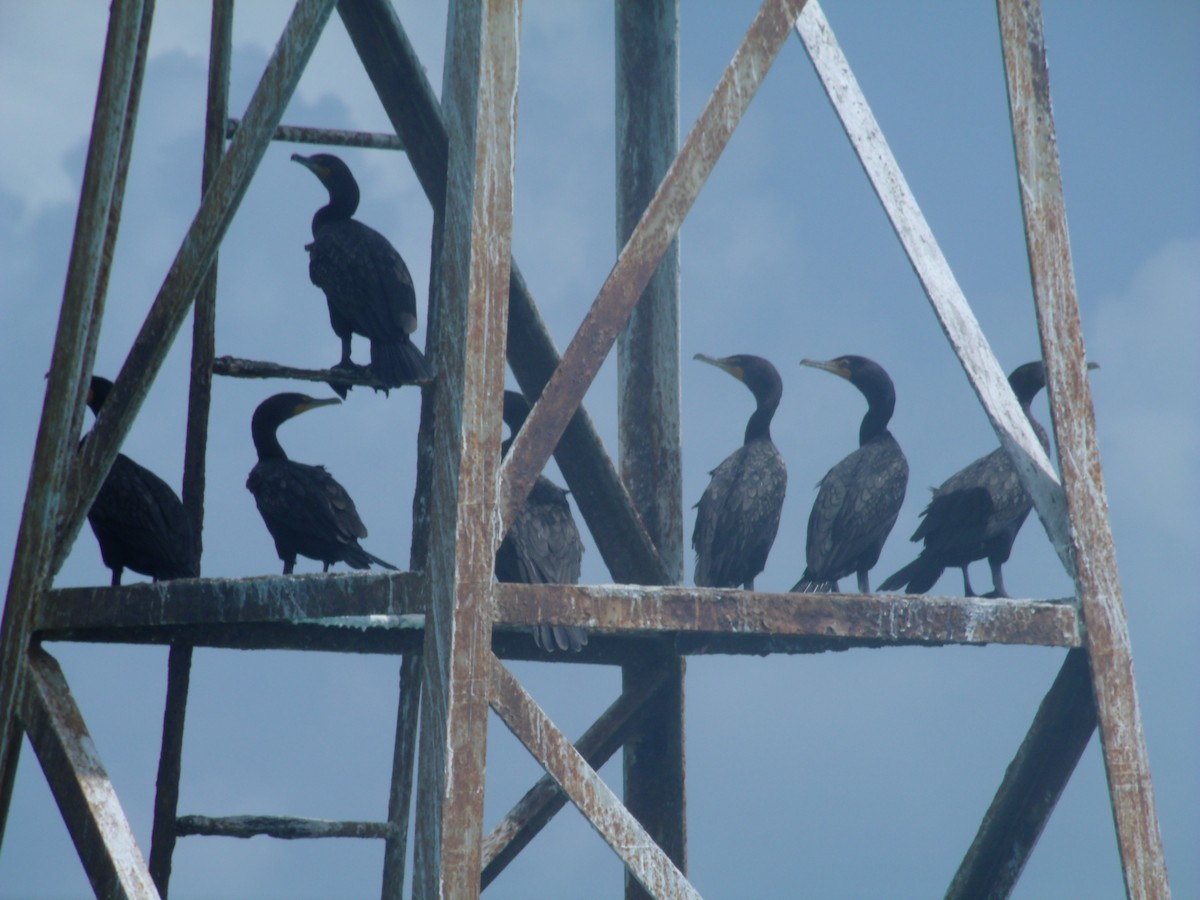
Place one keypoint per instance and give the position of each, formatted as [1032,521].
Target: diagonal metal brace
[98,826]
[550,747]
[543,801]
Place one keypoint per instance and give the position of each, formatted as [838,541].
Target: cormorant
[138,520]
[543,546]
[366,283]
[860,497]
[738,515]
[305,509]
[977,511]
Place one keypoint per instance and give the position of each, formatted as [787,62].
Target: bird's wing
[544,541]
[737,517]
[365,280]
[856,507]
[304,499]
[141,511]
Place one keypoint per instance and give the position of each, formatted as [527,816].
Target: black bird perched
[860,497]
[738,515]
[366,283]
[138,520]
[977,511]
[305,509]
[543,546]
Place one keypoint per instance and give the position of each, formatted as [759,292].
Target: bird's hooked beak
[313,166]
[836,366]
[723,364]
[312,403]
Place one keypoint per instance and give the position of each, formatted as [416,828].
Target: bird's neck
[1043,438]
[266,442]
[758,428]
[875,422]
[341,206]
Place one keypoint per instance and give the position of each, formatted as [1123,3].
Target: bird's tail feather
[382,563]
[358,558]
[559,637]
[810,584]
[916,578]
[398,362]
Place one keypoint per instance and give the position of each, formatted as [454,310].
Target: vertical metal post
[468,325]
[74,352]
[179,664]
[647,108]
[1097,584]
[403,756]
[647,134]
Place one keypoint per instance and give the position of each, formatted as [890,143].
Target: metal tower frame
[464,624]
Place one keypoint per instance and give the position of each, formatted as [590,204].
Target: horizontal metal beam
[542,801]
[334,137]
[81,786]
[884,618]
[230,601]
[700,620]
[287,828]
[620,830]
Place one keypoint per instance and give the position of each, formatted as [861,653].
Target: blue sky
[859,774]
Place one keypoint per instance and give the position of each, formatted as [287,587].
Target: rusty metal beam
[287,828]
[414,111]
[1031,787]
[620,830]
[703,613]
[85,796]
[641,255]
[230,601]
[700,620]
[191,264]
[72,357]
[872,617]
[1097,583]
[403,757]
[543,801]
[946,297]
[648,401]
[334,137]
[468,323]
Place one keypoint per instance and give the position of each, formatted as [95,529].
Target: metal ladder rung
[284,827]
[300,134]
